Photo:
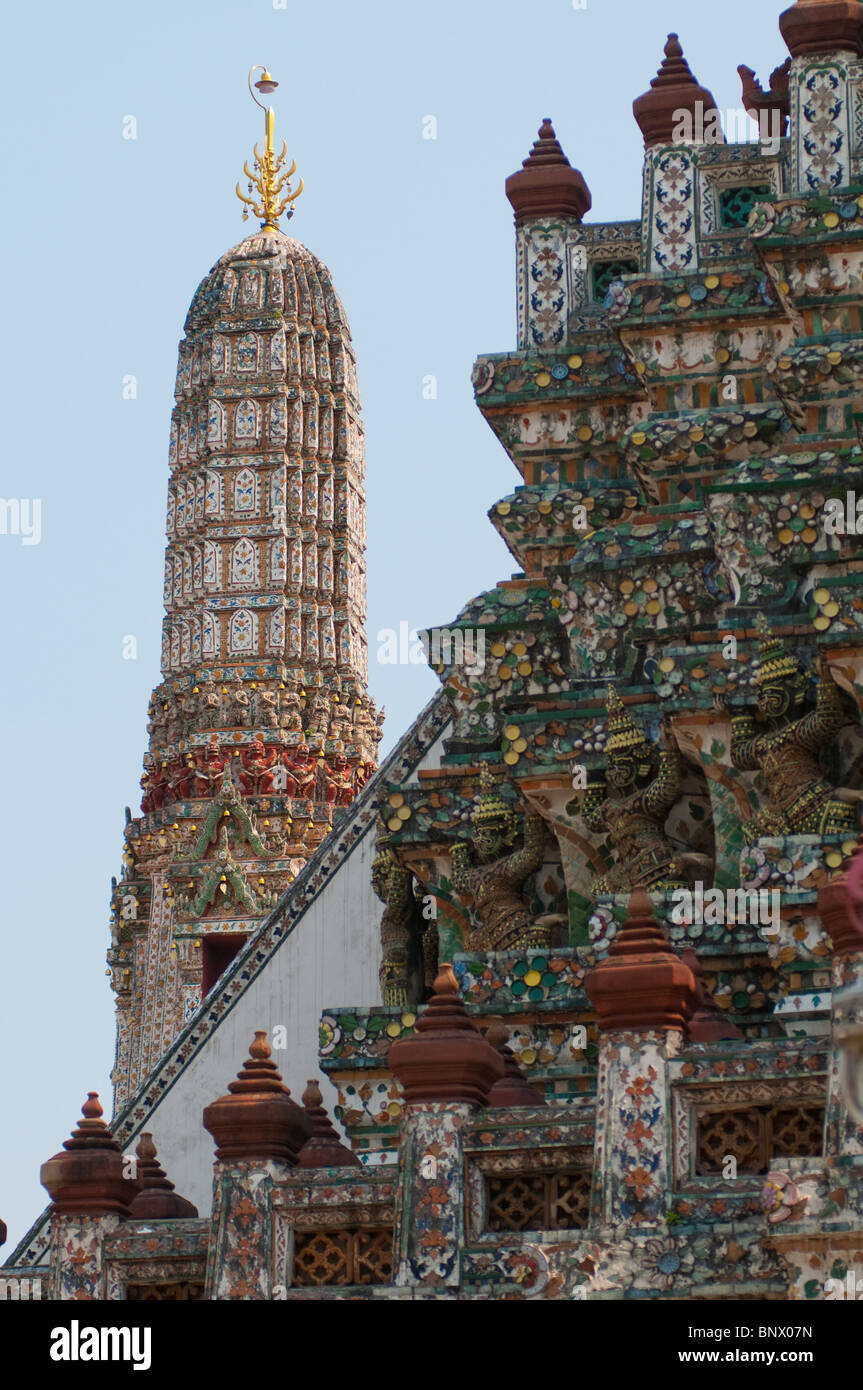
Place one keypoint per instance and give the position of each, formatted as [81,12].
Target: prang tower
[261,727]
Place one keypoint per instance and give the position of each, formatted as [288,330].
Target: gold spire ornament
[269,180]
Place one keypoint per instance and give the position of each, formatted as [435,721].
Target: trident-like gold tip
[269,182]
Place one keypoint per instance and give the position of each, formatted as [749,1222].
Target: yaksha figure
[393,885]
[630,803]
[783,741]
[409,943]
[496,880]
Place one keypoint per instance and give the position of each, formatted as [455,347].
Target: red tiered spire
[447,1060]
[823,26]
[513,1090]
[324,1149]
[546,184]
[157,1200]
[672,92]
[642,985]
[87,1178]
[258,1119]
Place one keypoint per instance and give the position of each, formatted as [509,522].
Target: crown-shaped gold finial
[269,180]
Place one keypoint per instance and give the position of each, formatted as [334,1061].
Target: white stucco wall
[330,959]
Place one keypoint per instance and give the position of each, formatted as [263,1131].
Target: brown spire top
[708,1023]
[642,985]
[324,1149]
[823,26]
[258,1119]
[672,93]
[756,101]
[157,1200]
[88,1177]
[447,1060]
[546,184]
[513,1089]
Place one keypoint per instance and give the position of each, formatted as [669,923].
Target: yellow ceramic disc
[684,301]
[511,731]
[393,1029]
[696,434]
[711,282]
[821,623]
[396,799]
[834,357]
[542,379]
[784,363]
[585,433]
[784,287]
[503,508]
[639,437]
[519,648]
[833,859]
[532,979]
[505,673]
[498,649]
[652,606]
[806,510]
[394,824]
[640,368]
[821,596]
[649,586]
[722,355]
[574,361]
[809,535]
[528,1057]
[831,219]
[830,610]
[524,668]
[404,813]
[520,745]
[786,536]
[667,664]
[510,758]
[626,586]
[630,609]
[544,508]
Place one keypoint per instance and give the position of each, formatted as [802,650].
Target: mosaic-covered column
[549,199]
[825,40]
[675,116]
[259,1132]
[90,1196]
[643,994]
[447,1070]
[840,905]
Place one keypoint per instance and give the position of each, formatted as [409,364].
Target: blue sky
[105,240]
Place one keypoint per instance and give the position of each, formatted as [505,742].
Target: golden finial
[269,179]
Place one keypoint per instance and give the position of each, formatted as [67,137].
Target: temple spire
[546,185]
[672,93]
[269,179]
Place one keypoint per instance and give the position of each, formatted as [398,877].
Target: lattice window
[757,1135]
[164,1293]
[797,1129]
[735,204]
[570,1201]
[355,1256]
[603,272]
[538,1201]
